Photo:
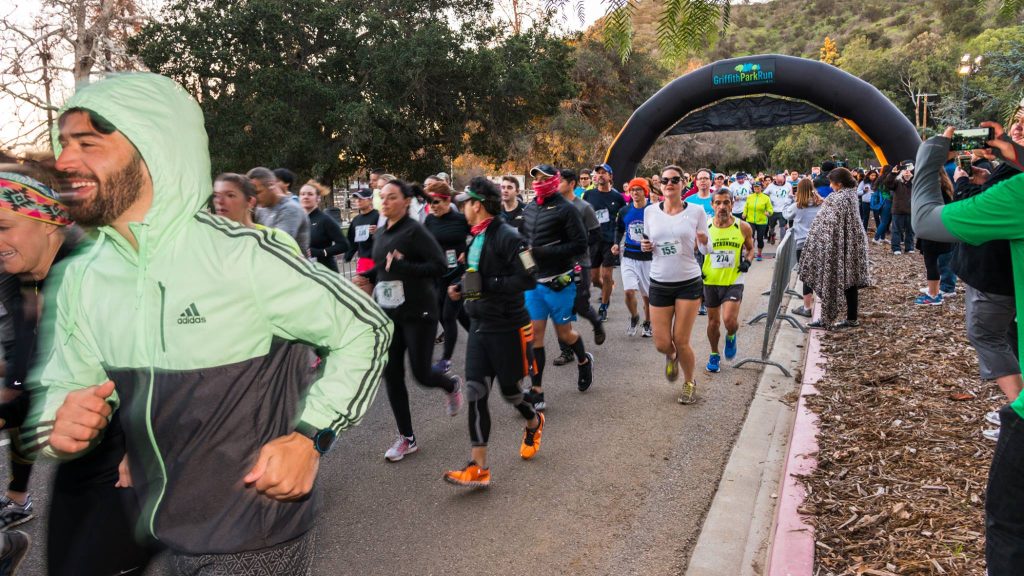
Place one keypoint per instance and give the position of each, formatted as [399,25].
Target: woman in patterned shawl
[834,262]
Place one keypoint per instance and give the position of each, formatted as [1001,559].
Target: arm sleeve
[338,242]
[427,256]
[290,221]
[988,216]
[350,330]
[517,278]
[926,202]
[350,251]
[72,363]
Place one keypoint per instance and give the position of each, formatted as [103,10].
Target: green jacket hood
[165,124]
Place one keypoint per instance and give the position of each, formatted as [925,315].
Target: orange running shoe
[531,439]
[471,475]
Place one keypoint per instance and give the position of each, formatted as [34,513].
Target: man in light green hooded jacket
[201,333]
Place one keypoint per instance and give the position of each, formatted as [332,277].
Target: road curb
[791,551]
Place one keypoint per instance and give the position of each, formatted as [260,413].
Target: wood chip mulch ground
[902,465]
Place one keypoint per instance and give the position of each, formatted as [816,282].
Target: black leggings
[761,230]
[503,356]
[806,289]
[417,338]
[851,303]
[452,314]
[931,265]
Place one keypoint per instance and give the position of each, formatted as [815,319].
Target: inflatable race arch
[760,92]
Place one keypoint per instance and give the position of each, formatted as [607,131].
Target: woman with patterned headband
[35,235]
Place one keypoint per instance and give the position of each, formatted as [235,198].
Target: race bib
[362,233]
[723,259]
[669,248]
[602,215]
[390,294]
[453,260]
[636,231]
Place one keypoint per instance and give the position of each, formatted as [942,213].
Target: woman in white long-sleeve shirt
[674,230]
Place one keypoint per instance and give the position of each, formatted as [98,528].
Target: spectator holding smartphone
[976,220]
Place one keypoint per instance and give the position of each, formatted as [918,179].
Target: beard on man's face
[113,195]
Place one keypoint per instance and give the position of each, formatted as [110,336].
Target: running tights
[480,418]
[416,338]
[761,230]
[452,314]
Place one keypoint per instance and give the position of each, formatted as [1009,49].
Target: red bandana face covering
[547,188]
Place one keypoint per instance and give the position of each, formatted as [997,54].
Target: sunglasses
[435,202]
[672,180]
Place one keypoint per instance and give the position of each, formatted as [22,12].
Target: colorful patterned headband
[31,198]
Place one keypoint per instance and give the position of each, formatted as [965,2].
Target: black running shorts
[664,294]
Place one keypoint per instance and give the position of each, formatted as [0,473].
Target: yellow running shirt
[722,264]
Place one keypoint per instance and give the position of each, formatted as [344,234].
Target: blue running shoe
[730,346]
[713,363]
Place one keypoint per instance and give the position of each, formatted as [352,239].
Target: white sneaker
[453,399]
[992,418]
[992,434]
[634,323]
[401,448]
[948,294]
[896,252]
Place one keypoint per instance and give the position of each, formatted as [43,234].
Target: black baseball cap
[363,193]
[544,169]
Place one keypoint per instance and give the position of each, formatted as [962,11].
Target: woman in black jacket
[326,240]
[407,260]
[450,229]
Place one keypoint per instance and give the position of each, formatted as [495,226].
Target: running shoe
[689,395]
[671,369]
[948,294]
[472,475]
[531,439]
[926,300]
[730,346]
[817,324]
[911,251]
[536,399]
[771,239]
[703,311]
[586,376]
[15,547]
[992,434]
[647,332]
[564,358]
[896,252]
[634,323]
[602,312]
[758,258]
[599,334]
[453,400]
[401,448]
[993,418]
[847,324]
[714,362]
[13,514]
[802,311]
[443,366]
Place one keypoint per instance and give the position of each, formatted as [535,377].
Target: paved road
[621,485]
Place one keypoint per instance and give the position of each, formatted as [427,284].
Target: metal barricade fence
[785,259]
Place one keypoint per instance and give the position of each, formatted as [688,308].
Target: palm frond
[618,27]
[1010,8]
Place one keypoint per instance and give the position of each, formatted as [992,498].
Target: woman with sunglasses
[450,229]
[673,229]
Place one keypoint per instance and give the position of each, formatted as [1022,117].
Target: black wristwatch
[323,438]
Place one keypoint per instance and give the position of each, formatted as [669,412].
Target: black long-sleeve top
[422,262]
[325,239]
[556,235]
[360,227]
[450,231]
